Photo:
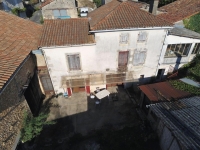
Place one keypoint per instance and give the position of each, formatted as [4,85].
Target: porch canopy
[96,79]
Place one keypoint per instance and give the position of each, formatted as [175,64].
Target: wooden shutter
[139,57]
[74,62]
[123,58]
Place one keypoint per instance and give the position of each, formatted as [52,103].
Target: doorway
[160,74]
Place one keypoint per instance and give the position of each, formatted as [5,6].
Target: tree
[32,126]
[193,23]
[97,2]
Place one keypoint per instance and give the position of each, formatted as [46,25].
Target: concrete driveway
[86,116]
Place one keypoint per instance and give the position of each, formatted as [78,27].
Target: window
[196,49]
[74,62]
[139,57]
[123,58]
[177,50]
[142,36]
[60,13]
[124,38]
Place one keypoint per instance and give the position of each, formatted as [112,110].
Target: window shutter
[123,58]
[124,38]
[139,57]
[142,36]
[56,13]
[63,12]
[74,62]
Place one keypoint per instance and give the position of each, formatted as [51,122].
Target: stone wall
[12,105]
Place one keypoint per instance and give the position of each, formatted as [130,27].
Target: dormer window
[124,38]
[142,36]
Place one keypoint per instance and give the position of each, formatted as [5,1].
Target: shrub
[32,126]
[17,10]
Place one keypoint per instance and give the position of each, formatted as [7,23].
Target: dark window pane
[187,48]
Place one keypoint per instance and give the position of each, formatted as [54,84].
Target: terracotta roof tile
[16,38]
[180,10]
[46,3]
[123,15]
[66,32]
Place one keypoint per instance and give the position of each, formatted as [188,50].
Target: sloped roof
[184,33]
[46,3]
[17,38]
[74,31]
[162,91]
[123,15]
[179,10]
[182,118]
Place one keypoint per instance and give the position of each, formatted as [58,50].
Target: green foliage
[185,87]
[41,20]
[193,23]
[17,10]
[98,3]
[165,2]
[192,70]
[32,126]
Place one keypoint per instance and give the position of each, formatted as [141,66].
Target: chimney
[153,6]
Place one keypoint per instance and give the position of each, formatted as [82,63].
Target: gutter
[131,29]
[13,75]
[65,46]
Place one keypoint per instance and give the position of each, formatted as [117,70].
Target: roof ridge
[131,6]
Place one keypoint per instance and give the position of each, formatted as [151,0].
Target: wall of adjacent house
[166,62]
[69,6]
[108,46]
[12,106]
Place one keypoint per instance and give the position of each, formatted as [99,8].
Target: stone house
[59,9]
[19,85]
[118,43]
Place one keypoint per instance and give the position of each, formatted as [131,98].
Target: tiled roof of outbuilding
[180,10]
[123,15]
[162,91]
[17,38]
[66,32]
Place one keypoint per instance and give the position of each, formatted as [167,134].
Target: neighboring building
[159,92]
[8,5]
[177,123]
[59,9]
[19,86]
[180,47]
[179,10]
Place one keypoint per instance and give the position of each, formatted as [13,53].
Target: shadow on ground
[83,125]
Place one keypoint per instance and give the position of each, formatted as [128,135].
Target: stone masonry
[12,105]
